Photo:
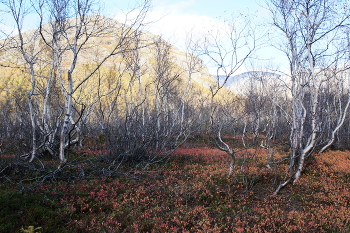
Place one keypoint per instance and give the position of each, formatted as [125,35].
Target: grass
[192,193]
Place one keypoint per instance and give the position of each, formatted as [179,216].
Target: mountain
[242,82]
[151,59]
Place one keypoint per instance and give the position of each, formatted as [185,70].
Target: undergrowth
[191,193]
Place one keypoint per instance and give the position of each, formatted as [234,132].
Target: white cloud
[6,30]
[174,22]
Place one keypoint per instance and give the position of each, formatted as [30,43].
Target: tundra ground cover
[190,193]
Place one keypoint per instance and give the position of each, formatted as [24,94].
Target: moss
[21,209]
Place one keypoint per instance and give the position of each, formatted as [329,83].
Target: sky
[175,19]
[182,15]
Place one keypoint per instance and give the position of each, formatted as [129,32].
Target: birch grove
[312,31]
[65,31]
[78,80]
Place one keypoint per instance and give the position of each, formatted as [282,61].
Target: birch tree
[68,30]
[29,50]
[310,31]
[227,48]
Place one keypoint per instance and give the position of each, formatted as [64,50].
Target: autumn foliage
[190,193]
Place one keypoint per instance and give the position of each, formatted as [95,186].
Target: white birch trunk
[65,126]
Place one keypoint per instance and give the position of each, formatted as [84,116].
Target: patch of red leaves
[194,194]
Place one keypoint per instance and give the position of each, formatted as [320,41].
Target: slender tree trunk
[339,125]
[65,127]
[32,113]
[32,119]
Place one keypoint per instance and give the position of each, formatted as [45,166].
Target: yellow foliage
[114,78]
[31,229]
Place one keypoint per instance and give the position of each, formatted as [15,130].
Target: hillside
[95,50]
[241,83]
[95,76]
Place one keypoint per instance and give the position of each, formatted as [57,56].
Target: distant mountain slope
[241,82]
[98,47]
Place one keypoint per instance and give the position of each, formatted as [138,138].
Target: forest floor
[191,192]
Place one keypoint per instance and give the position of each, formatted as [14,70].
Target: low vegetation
[95,117]
[189,193]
